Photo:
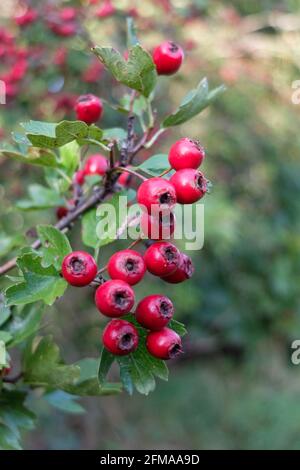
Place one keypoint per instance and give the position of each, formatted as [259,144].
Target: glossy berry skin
[158,227]
[186,153]
[156,194]
[95,165]
[168,58]
[114,298]
[88,108]
[164,344]
[79,177]
[162,258]
[79,268]
[190,185]
[154,312]
[184,271]
[120,337]
[127,265]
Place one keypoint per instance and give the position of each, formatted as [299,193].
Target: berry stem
[165,172]
[129,170]
[152,141]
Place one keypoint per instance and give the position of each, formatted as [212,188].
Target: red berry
[120,337]
[79,268]
[114,298]
[158,227]
[79,177]
[168,58]
[184,271]
[107,9]
[68,13]
[29,16]
[65,30]
[164,344]
[61,212]
[127,265]
[162,258]
[186,153]
[96,165]
[154,312]
[88,108]
[190,185]
[157,194]
[124,179]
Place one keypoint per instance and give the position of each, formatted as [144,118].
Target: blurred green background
[235,388]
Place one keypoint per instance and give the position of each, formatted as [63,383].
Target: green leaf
[53,135]
[139,369]
[110,229]
[26,324]
[8,440]
[88,383]
[138,72]
[3,355]
[40,198]
[106,361]
[43,366]
[155,165]
[125,374]
[89,223]
[5,337]
[70,157]
[195,101]
[39,283]
[64,401]
[90,234]
[55,245]
[4,313]
[14,417]
[115,133]
[178,327]
[139,105]
[34,156]
[132,38]
[9,242]
[94,136]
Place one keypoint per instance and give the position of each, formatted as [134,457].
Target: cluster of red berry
[115,297]
[156,196]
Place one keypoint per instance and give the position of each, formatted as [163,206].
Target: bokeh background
[235,388]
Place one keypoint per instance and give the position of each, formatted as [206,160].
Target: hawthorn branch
[128,152]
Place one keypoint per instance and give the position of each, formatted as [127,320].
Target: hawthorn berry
[95,165]
[184,271]
[124,179]
[156,194]
[162,258]
[120,337]
[114,298]
[79,177]
[164,344]
[88,108]
[190,185]
[154,312]
[168,58]
[79,268]
[159,226]
[186,153]
[127,265]
[61,212]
